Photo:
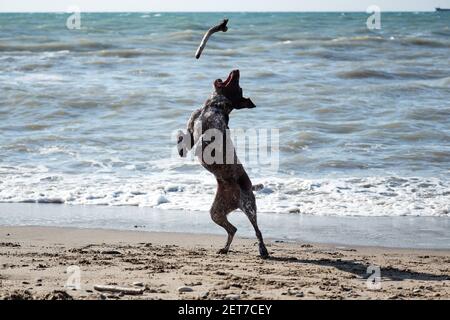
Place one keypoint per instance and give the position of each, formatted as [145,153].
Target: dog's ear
[245,103]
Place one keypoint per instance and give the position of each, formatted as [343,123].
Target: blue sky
[228,5]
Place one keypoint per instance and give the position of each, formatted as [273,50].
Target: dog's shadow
[361,269]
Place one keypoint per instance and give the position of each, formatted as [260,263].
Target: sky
[209,5]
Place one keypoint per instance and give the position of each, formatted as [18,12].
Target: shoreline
[208,236]
[389,232]
[34,262]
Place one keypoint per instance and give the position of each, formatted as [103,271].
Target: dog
[234,187]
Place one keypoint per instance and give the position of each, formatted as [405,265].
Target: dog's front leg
[185,141]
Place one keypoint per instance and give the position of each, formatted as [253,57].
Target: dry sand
[34,260]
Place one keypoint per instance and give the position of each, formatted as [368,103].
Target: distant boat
[442,9]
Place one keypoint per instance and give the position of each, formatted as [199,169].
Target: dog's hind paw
[222,251]
[263,253]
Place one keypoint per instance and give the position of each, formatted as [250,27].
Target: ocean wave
[185,35]
[266,74]
[300,44]
[336,43]
[379,74]
[41,78]
[443,83]
[371,41]
[423,42]
[331,55]
[365,73]
[34,67]
[343,164]
[132,53]
[83,45]
[124,53]
[444,32]
[369,196]
[303,140]
[355,40]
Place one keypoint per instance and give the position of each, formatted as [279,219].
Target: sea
[88,115]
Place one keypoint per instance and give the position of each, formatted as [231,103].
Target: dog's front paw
[180,136]
[181,145]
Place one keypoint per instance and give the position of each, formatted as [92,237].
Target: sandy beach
[34,262]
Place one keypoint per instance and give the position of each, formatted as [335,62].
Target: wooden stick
[131,291]
[220,27]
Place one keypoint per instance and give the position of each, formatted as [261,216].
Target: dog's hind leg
[226,201]
[248,206]
[221,219]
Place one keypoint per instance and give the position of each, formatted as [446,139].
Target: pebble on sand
[184,289]
[58,295]
[113,252]
[138,284]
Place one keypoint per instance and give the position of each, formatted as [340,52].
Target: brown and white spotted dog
[235,190]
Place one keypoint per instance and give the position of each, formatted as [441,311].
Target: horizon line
[231,11]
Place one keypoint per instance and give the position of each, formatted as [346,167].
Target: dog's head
[232,91]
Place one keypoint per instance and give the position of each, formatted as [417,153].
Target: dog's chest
[210,118]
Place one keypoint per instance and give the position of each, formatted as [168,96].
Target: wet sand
[34,262]
[398,232]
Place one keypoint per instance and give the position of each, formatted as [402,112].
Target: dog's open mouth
[230,89]
[233,79]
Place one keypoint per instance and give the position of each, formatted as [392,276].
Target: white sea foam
[168,189]
[40,77]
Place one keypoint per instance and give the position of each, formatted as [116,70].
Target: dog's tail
[258,187]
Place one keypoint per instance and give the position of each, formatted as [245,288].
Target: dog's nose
[236,73]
